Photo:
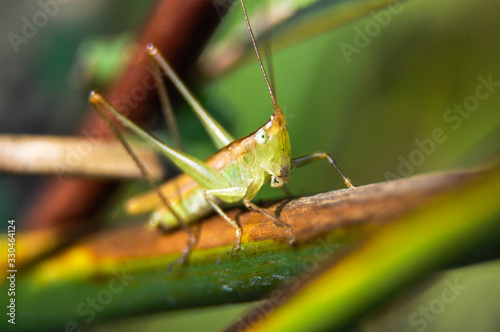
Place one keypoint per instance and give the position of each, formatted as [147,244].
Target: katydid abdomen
[187,197]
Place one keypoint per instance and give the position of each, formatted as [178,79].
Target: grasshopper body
[235,173]
[246,164]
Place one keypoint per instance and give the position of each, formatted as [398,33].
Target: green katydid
[235,173]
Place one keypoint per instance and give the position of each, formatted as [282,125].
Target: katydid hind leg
[96,100]
[217,133]
[168,112]
[307,159]
[167,109]
[203,174]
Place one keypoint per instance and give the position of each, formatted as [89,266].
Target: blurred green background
[368,109]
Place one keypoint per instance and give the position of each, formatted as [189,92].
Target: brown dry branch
[139,255]
[72,156]
[309,217]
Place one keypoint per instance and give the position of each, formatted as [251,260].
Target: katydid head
[272,149]
[272,144]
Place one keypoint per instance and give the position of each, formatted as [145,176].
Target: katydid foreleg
[307,159]
[250,193]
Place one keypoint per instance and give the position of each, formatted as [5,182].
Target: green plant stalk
[391,258]
[72,290]
[123,271]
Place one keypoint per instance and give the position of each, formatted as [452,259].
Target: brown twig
[309,217]
[71,156]
[140,256]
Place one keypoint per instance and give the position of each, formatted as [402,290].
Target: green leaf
[291,23]
[123,271]
[393,257]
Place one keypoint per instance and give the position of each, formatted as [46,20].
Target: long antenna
[273,98]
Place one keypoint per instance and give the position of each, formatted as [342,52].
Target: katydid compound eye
[261,136]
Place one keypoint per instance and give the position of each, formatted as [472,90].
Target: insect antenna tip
[94,97]
[151,49]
